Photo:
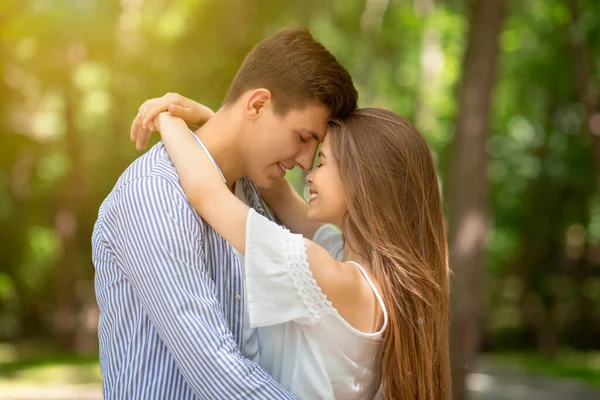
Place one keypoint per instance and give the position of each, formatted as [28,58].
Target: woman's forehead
[326,143]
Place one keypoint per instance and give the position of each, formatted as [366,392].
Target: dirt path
[491,381]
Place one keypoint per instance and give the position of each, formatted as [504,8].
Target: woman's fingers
[143,125]
[151,108]
[179,111]
[152,111]
[136,127]
[142,140]
[142,135]
[152,127]
[140,126]
[143,110]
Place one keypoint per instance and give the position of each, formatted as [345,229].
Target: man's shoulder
[153,164]
[151,180]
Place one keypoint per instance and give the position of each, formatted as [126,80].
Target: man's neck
[219,135]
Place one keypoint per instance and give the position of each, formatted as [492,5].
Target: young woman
[349,311]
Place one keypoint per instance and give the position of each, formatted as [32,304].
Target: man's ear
[256,102]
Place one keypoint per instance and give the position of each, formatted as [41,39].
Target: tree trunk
[586,87]
[467,186]
[587,94]
[540,243]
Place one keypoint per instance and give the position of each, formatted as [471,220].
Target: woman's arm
[203,186]
[290,208]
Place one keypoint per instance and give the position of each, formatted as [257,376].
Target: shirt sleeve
[330,238]
[280,286]
[158,242]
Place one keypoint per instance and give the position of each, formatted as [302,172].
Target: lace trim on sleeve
[304,281]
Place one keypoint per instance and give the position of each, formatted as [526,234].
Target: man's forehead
[313,121]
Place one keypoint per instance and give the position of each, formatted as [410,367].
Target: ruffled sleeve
[280,286]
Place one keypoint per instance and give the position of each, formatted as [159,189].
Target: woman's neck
[353,253]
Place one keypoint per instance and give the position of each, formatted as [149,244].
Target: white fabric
[304,343]
[249,348]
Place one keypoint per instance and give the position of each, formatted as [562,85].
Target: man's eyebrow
[314,134]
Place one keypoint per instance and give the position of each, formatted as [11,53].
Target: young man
[169,288]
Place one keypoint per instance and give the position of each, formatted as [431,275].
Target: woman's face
[327,198]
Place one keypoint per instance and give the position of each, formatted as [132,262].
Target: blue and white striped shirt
[170,293]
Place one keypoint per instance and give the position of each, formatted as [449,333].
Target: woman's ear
[256,102]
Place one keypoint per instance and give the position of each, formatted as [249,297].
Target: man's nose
[304,164]
[305,160]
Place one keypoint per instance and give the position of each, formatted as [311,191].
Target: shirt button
[238,297]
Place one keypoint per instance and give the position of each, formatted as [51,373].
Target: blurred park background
[505,93]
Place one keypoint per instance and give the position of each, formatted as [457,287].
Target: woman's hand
[193,113]
[162,121]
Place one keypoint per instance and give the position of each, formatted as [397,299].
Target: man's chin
[264,182]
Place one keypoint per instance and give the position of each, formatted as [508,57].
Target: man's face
[276,143]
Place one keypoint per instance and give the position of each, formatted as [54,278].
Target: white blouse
[304,343]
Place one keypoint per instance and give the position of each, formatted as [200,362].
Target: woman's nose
[308,178]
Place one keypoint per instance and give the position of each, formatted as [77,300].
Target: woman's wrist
[201,114]
[166,121]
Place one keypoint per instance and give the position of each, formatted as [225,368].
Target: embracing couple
[216,280]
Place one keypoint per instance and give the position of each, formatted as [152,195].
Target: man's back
[170,295]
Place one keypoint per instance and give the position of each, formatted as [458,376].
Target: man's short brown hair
[298,71]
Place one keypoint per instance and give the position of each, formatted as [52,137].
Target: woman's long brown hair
[395,220]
